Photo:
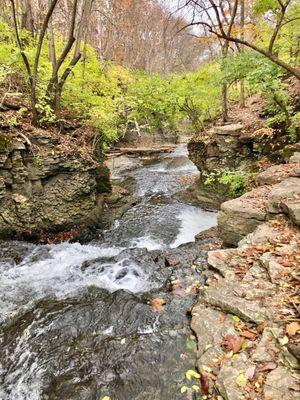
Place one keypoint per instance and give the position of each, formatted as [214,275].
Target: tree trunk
[225,87]
[242,86]
[26,17]
[224,102]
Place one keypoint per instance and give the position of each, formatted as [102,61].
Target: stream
[76,320]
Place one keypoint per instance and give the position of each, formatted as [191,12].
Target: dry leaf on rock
[171,262]
[250,371]
[292,328]
[158,304]
[234,343]
[204,384]
[239,293]
[248,335]
[269,366]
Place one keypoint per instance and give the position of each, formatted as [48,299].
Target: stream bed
[76,320]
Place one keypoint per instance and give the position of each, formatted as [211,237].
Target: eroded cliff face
[44,188]
[221,147]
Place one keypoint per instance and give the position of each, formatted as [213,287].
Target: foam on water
[147,242]
[57,270]
[193,220]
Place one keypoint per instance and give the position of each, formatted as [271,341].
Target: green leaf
[235,318]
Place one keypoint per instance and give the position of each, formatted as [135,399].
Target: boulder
[209,333]
[287,191]
[230,130]
[221,148]
[272,266]
[228,376]
[220,260]
[266,348]
[262,234]
[295,158]
[292,209]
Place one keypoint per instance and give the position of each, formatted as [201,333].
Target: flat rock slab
[223,261]
[222,296]
[266,348]
[282,385]
[292,209]
[227,378]
[210,326]
[262,234]
[251,205]
[231,130]
[275,174]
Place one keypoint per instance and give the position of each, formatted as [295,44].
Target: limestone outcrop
[42,187]
[221,147]
[278,193]
[246,320]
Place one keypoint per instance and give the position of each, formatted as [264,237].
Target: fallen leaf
[261,327]
[180,291]
[292,328]
[222,317]
[241,380]
[158,304]
[191,373]
[184,389]
[269,366]
[171,262]
[283,341]
[206,368]
[244,346]
[250,371]
[248,335]
[204,384]
[234,343]
[191,344]
[196,388]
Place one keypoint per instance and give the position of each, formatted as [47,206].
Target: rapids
[76,319]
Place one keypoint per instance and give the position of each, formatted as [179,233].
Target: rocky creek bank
[46,185]
[247,320]
[234,148]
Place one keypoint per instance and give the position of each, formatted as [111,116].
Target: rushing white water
[154,224]
[193,220]
[116,262]
[57,270]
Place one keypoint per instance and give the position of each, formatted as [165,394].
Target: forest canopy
[148,64]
